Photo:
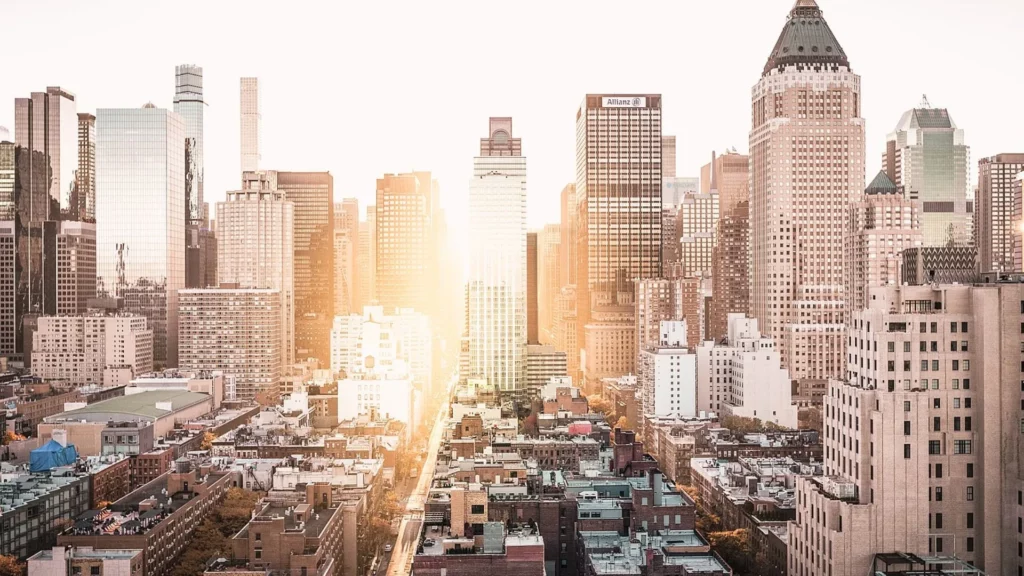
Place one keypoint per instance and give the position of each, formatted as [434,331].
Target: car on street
[387,547]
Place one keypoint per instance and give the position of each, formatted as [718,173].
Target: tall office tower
[249,91]
[367,257]
[623,131]
[566,332]
[657,300]
[344,264]
[730,258]
[548,252]
[257,246]
[250,351]
[76,266]
[189,104]
[927,157]
[670,249]
[805,123]
[918,460]
[693,299]
[1018,217]
[567,244]
[667,374]
[743,376]
[883,223]
[498,284]
[140,203]
[83,205]
[8,253]
[402,240]
[47,123]
[668,156]
[312,193]
[993,211]
[696,222]
[532,312]
[346,217]
[91,349]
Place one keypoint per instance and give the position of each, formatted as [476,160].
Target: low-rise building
[82,560]
[158,518]
[35,508]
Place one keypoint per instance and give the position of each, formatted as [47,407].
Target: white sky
[365,88]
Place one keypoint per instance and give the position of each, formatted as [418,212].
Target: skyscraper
[696,224]
[883,223]
[807,165]
[926,155]
[346,220]
[993,211]
[312,193]
[55,267]
[498,277]
[367,257]
[83,204]
[140,200]
[668,156]
[567,244]
[532,307]
[403,240]
[618,180]
[249,92]
[189,104]
[548,252]
[257,246]
[730,258]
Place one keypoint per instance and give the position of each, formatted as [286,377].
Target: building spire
[924,102]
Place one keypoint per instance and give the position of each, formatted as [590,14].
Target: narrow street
[400,561]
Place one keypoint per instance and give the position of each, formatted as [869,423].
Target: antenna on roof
[924,102]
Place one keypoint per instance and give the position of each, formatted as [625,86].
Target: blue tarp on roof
[51,455]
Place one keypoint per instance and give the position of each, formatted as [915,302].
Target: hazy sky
[365,88]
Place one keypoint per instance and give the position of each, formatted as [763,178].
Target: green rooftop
[134,406]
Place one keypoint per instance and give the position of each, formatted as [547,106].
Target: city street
[400,561]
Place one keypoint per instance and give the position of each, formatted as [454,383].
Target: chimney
[659,487]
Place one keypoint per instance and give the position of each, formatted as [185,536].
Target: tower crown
[806,41]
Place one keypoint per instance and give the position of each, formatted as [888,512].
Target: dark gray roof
[882,184]
[806,40]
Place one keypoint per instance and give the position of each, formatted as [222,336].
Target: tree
[599,404]
[9,566]
[622,423]
[741,425]
[708,522]
[11,436]
[208,438]
[734,547]
[811,419]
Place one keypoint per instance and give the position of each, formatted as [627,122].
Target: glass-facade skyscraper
[497,289]
[140,205]
[189,104]
[926,155]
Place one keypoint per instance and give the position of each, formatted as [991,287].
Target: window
[923,347]
[970,519]
[963,327]
[906,405]
[924,328]
[259,536]
[906,346]
[892,365]
[938,470]
[937,424]
[906,427]
[94,570]
[967,402]
[937,403]
[953,344]
[952,327]
[970,493]
[963,345]
[934,447]
[956,365]
[961,446]
[906,451]
[906,365]
[935,365]
[924,365]
[956,402]
[967,365]
[970,470]
[938,520]
[967,383]
[892,346]
[956,424]
[938,493]
[970,544]
[967,423]
[258,554]
[477,509]
[955,384]
[934,327]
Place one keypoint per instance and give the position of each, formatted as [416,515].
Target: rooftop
[86,552]
[806,40]
[142,405]
[312,526]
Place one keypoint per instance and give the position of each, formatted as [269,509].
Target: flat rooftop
[696,563]
[137,406]
[85,553]
[312,527]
